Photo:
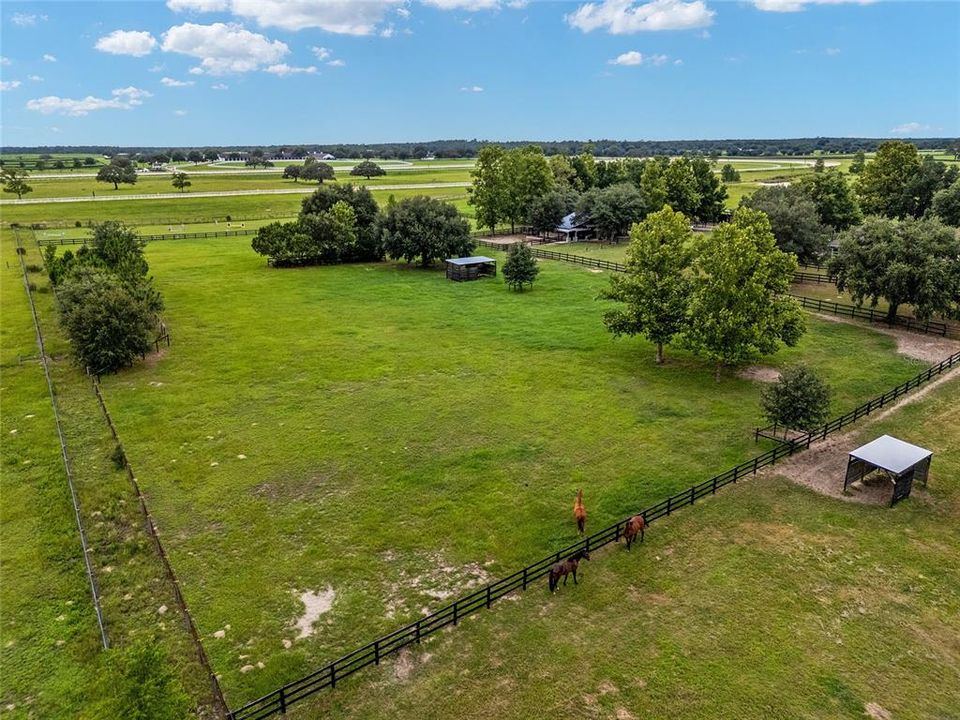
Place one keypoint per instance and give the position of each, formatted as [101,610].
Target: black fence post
[376,652]
[283,702]
[488,597]
[525,578]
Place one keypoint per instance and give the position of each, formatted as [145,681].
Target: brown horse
[567,567]
[635,526]
[580,512]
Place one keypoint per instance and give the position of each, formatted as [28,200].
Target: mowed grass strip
[49,640]
[396,438]
[768,601]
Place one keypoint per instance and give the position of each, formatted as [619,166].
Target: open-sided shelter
[471,268]
[902,461]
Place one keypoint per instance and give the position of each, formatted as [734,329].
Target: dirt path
[930,348]
[823,466]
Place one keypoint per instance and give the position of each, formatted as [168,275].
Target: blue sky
[228,72]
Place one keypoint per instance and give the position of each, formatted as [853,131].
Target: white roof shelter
[903,461]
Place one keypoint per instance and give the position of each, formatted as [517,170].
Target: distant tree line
[744,147]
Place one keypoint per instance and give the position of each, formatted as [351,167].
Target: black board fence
[278,701]
[929,327]
[153,238]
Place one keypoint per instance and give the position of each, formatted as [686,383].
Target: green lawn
[382,432]
[160,183]
[768,601]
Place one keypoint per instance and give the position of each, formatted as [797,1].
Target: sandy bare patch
[427,578]
[760,373]
[624,714]
[153,358]
[929,348]
[823,466]
[877,712]
[315,604]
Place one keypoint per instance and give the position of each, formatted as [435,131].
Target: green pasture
[768,601]
[379,431]
[211,182]
[185,209]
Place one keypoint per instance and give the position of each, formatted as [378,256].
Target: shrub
[34,268]
[118,457]
[78,224]
[800,399]
[108,326]
[521,267]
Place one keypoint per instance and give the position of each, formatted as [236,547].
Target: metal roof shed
[471,268]
[901,460]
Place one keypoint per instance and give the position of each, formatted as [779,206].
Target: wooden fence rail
[929,327]
[152,238]
[278,701]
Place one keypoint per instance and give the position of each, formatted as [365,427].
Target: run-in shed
[902,461]
[471,268]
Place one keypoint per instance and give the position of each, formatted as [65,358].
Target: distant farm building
[575,226]
[471,268]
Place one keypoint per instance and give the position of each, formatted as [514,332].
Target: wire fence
[278,701]
[218,700]
[65,455]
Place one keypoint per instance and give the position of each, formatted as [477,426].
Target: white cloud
[223,48]
[131,95]
[345,17]
[179,113]
[9,84]
[403,12]
[798,5]
[909,128]
[123,99]
[127,42]
[282,69]
[337,63]
[637,58]
[469,5]
[832,51]
[197,5]
[171,82]
[5,61]
[49,58]
[471,89]
[623,17]
[26,19]
[321,53]
[678,61]
[34,78]
[219,86]
[388,31]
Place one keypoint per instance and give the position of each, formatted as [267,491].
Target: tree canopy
[366,211]
[655,290]
[793,218]
[738,308]
[15,181]
[180,181]
[915,262]
[313,169]
[425,229]
[367,169]
[612,210]
[946,204]
[118,171]
[834,199]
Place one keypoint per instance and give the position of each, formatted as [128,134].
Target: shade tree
[799,400]
[521,267]
[915,262]
[423,229]
[793,219]
[654,292]
[738,309]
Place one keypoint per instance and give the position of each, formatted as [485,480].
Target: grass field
[396,427]
[769,601]
[160,183]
